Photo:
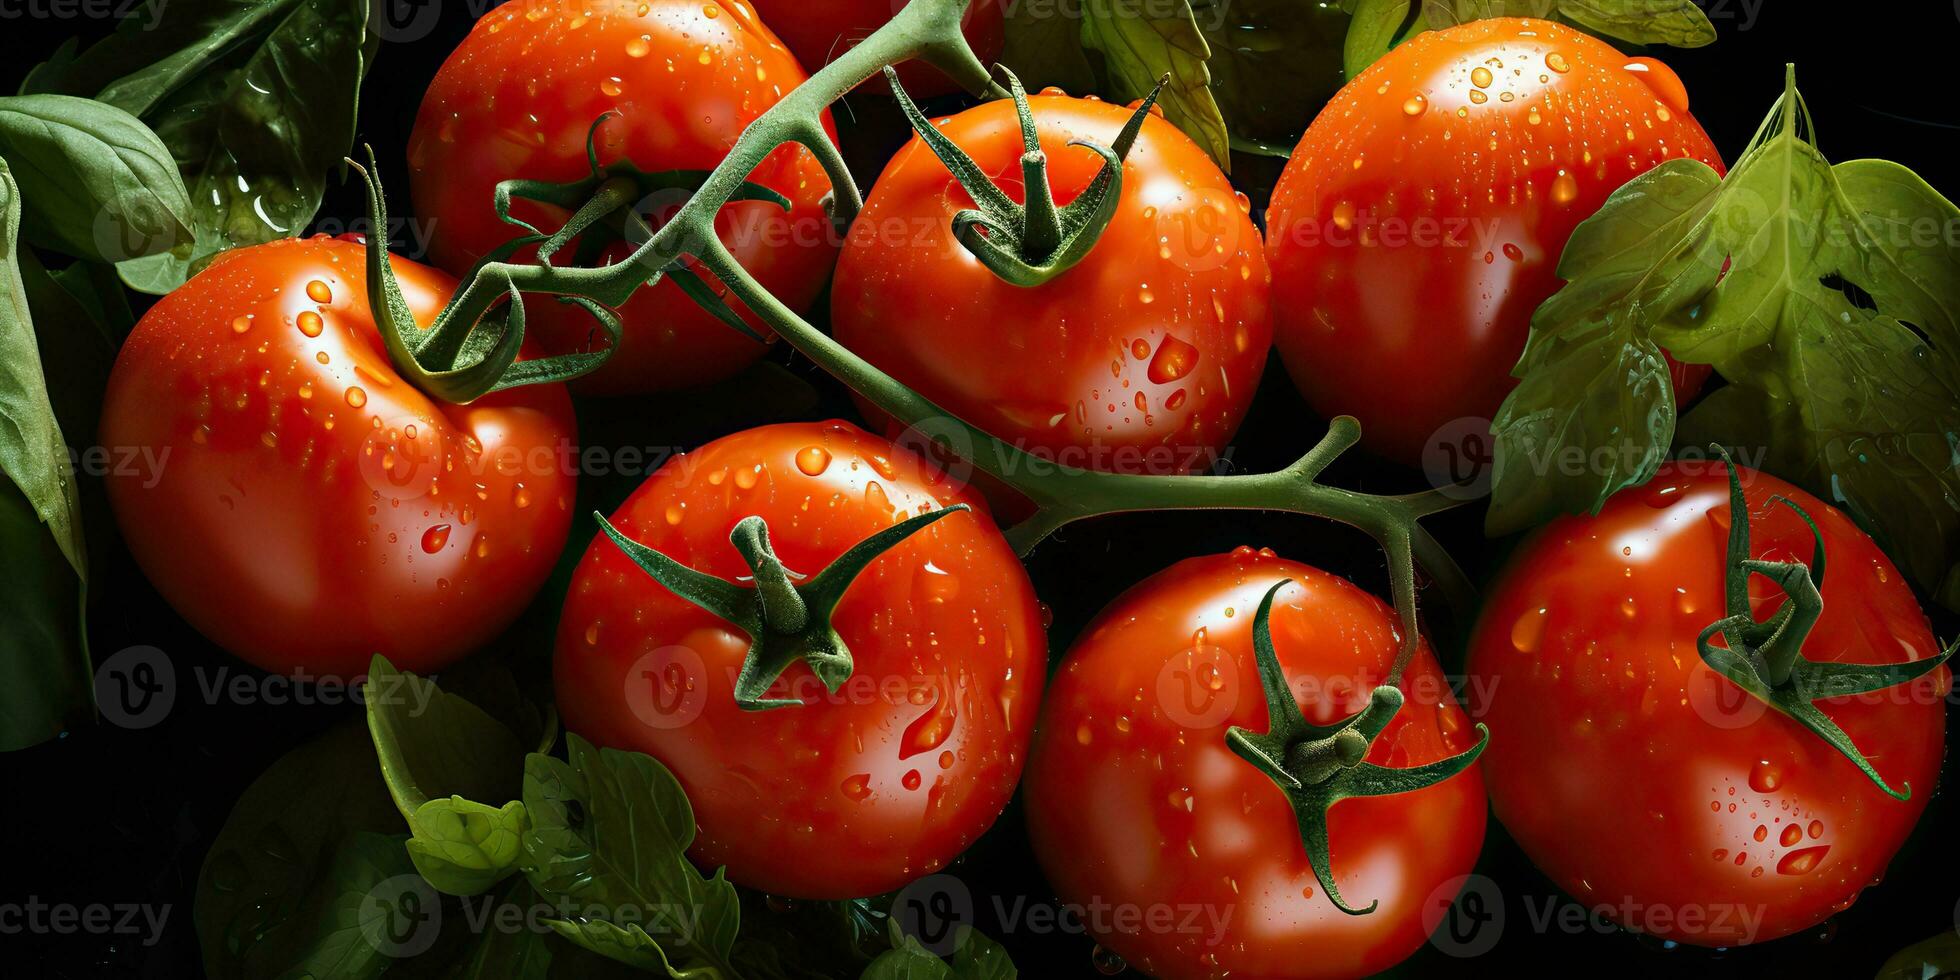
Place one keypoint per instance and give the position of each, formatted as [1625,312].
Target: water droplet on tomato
[1666,85]
[1528,630]
[1414,105]
[1765,776]
[434,538]
[911,779]
[1802,861]
[241,324]
[318,292]
[813,460]
[356,397]
[1565,188]
[1174,360]
[1480,77]
[857,787]
[1556,62]
[310,323]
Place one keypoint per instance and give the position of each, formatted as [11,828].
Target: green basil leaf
[376,912]
[507,954]
[1439,14]
[1594,409]
[610,831]
[46,685]
[438,753]
[255,100]
[1138,48]
[1829,297]
[268,894]
[908,961]
[1375,27]
[1680,23]
[95,182]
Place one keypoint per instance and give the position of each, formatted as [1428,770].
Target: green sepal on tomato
[1636,770]
[308,507]
[1420,221]
[1140,793]
[862,782]
[1136,345]
[675,83]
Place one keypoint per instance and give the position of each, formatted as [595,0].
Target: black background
[109,815]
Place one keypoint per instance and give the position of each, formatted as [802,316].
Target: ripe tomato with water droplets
[683,78]
[848,794]
[1420,221]
[1637,777]
[818,32]
[1142,358]
[308,507]
[1134,799]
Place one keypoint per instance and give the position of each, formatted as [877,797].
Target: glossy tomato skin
[1143,358]
[853,793]
[1420,221]
[818,32]
[683,78]
[1636,777]
[310,508]
[1135,800]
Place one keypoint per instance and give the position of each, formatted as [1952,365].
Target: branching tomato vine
[474,340]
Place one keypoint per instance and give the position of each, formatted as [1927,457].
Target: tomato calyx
[460,358]
[1029,244]
[786,615]
[1317,766]
[1765,659]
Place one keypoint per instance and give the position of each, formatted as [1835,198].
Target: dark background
[111,815]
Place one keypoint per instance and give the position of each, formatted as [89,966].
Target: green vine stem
[1062,494]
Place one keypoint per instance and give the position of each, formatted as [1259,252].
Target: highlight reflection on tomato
[1135,800]
[310,507]
[1420,221]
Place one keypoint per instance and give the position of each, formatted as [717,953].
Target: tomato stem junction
[1766,658]
[1029,244]
[786,616]
[1317,766]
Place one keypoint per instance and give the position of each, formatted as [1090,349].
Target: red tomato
[1641,780]
[818,32]
[853,793]
[683,78]
[1420,221]
[1142,358]
[1135,801]
[308,508]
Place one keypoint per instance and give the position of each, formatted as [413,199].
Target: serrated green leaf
[1440,14]
[1680,23]
[609,832]
[1140,47]
[1274,64]
[1829,297]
